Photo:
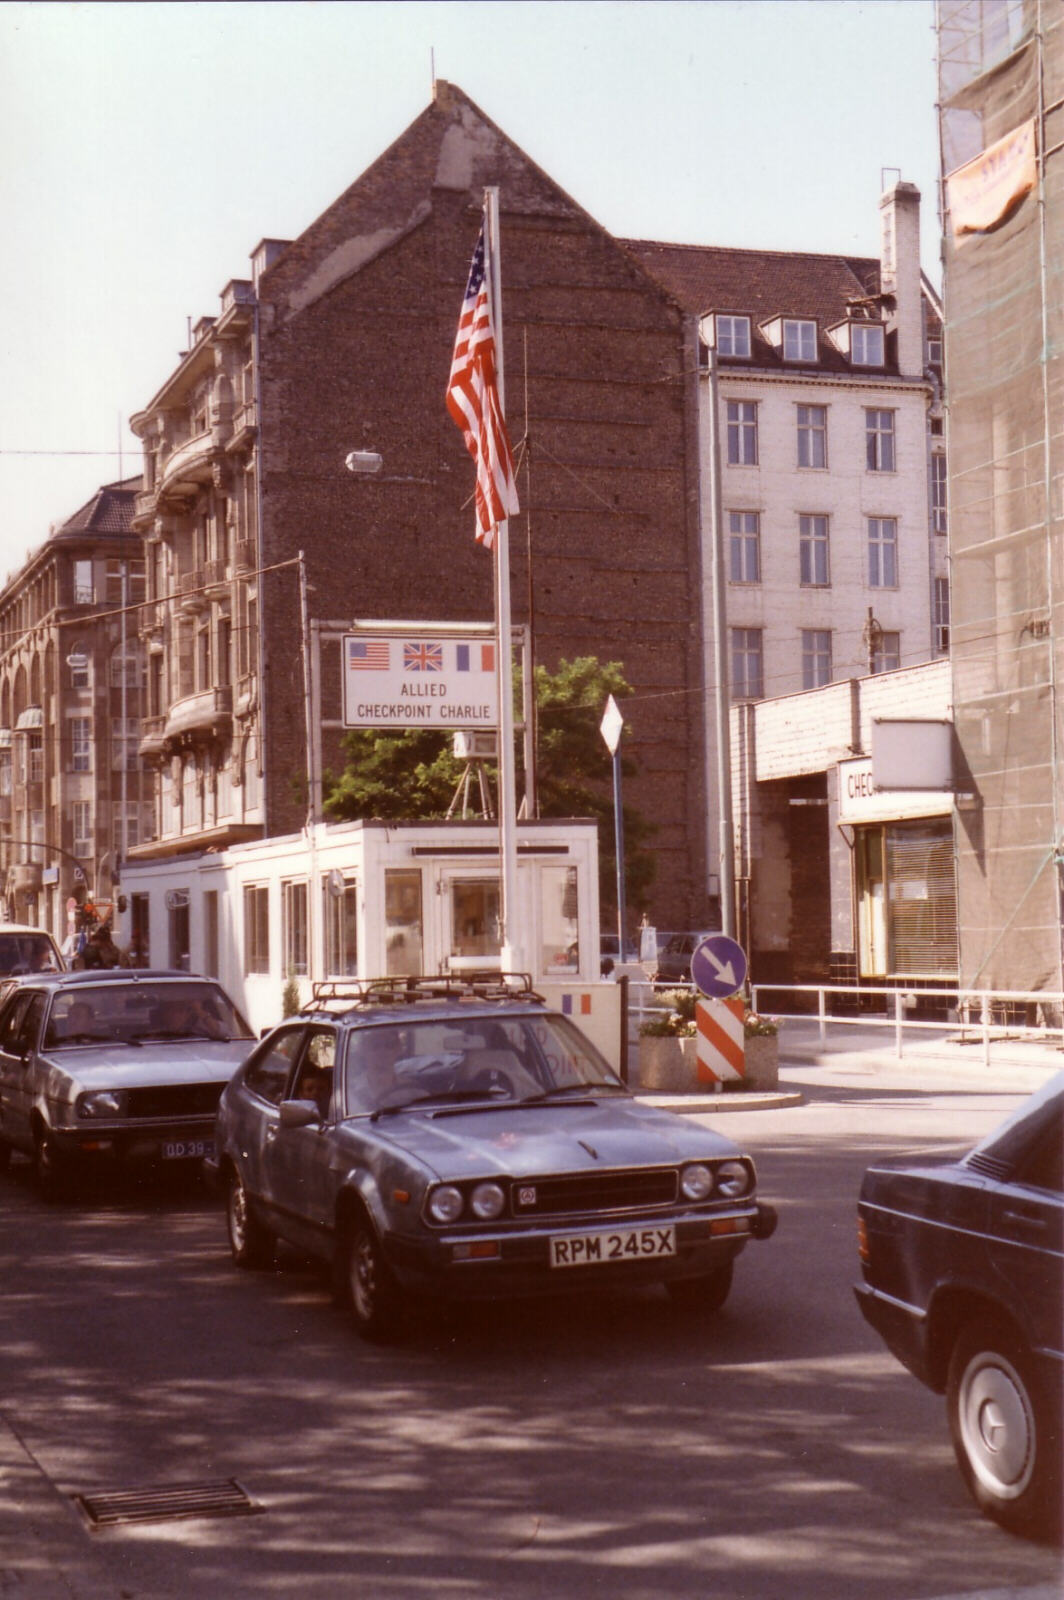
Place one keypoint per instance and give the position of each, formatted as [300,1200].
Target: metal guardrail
[982,1015]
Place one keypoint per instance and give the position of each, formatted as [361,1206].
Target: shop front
[904,880]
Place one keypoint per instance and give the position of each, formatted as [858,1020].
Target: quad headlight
[696,1182]
[445,1203]
[102,1103]
[487,1201]
[734,1179]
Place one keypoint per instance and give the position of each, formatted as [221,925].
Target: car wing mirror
[299,1113]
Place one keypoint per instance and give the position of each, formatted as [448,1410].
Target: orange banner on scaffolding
[985,191]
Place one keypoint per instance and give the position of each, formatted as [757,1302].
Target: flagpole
[512,952]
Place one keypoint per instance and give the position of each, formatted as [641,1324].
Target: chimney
[900,274]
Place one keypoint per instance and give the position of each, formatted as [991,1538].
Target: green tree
[394,776]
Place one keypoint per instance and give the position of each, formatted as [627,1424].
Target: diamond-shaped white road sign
[611,725]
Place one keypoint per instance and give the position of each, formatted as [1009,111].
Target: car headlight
[445,1204]
[102,1103]
[696,1182]
[487,1201]
[734,1179]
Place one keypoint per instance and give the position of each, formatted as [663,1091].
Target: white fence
[971,1016]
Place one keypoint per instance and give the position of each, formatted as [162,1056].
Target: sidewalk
[929,1058]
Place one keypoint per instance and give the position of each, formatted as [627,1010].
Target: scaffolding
[1001,129]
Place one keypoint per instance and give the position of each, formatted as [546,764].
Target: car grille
[590,1193]
[175,1100]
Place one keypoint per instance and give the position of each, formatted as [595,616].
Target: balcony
[152,737]
[245,560]
[144,510]
[206,715]
[188,466]
[215,575]
[25,877]
[245,426]
[189,589]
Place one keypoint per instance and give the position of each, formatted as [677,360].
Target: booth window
[339,897]
[256,928]
[403,921]
[559,908]
[294,927]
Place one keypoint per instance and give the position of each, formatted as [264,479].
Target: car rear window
[26,952]
[142,1012]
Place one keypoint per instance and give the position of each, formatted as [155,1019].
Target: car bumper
[180,1139]
[487,1264]
[901,1326]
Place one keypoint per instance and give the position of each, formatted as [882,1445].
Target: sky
[148,147]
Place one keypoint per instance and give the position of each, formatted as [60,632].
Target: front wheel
[1002,1432]
[51,1168]
[252,1244]
[706,1294]
[368,1283]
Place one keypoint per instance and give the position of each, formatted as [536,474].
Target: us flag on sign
[368,655]
[473,401]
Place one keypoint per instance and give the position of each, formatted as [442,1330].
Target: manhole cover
[172,1502]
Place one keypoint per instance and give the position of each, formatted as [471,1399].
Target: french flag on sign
[475,658]
[574,1004]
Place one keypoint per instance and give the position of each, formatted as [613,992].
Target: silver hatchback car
[457,1138]
[114,1066]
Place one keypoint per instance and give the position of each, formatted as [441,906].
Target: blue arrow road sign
[718,966]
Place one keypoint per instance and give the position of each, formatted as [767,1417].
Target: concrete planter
[762,1062]
[669,1063]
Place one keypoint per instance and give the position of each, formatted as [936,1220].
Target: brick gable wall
[608,495]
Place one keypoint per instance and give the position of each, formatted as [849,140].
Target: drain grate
[173,1502]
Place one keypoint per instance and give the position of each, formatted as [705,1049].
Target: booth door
[470,909]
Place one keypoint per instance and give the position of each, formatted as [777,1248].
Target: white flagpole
[512,952]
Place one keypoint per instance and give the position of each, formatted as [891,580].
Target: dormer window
[799,340]
[866,344]
[733,335]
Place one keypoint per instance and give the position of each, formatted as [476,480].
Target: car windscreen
[140,1012]
[503,1060]
[26,952]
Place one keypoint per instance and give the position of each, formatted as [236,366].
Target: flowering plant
[676,1016]
[756,1026]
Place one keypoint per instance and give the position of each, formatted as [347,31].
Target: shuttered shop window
[922,900]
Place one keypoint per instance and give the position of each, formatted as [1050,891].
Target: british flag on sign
[422,657]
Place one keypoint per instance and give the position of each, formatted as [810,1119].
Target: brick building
[72,791]
[341,340]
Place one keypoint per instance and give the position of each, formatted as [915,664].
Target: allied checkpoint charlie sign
[423,680]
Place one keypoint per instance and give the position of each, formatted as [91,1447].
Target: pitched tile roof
[763,284]
[109,511]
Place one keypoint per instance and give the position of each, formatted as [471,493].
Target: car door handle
[1026,1219]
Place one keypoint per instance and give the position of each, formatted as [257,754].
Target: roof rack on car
[408,989]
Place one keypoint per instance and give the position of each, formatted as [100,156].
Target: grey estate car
[114,1066]
[457,1138]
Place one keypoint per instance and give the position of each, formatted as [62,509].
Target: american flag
[473,401]
[423,658]
[368,655]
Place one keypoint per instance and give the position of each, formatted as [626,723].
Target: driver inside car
[371,1075]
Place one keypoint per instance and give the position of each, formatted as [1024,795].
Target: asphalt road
[594,1447]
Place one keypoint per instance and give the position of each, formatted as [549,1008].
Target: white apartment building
[825,371]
